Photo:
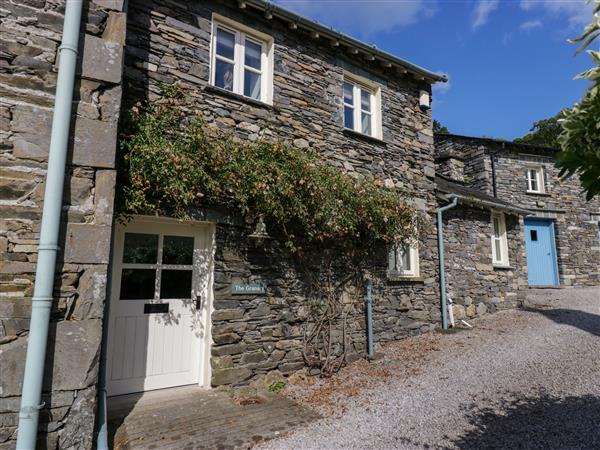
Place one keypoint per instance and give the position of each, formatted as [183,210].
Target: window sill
[502,267]
[232,95]
[541,194]
[365,137]
[407,278]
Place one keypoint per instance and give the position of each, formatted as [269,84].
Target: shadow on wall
[543,422]
[583,320]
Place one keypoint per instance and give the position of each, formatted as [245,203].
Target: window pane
[251,84]
[366,123]
[392,266]
[178,250]
[348,94]
[176,284]
[496,227]
[365,100]
[534,235]
[140,248]
[497,247]
[253,52]
[224,75]
[533,184]
[137,284]
[405,258]
[349,117]
[225,43]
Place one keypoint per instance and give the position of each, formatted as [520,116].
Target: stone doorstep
[192,417]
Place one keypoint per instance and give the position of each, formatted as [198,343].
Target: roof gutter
[298,20]
[488,204]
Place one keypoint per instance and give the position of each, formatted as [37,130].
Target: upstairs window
[362,110]
[535,180]
[241,61]
[499,240]
[403,260]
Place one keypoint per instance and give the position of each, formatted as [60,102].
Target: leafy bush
[580,139]
[172,162]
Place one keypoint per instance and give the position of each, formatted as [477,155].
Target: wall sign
[248,289]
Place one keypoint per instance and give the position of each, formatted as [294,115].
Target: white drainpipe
[41,304]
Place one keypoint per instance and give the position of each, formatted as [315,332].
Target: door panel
[157,341]
[541,252]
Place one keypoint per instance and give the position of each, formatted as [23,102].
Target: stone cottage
[485,267]
[224,311]
[560,235]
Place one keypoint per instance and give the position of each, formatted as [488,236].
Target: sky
[508,61]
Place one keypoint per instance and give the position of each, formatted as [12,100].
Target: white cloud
[441,88]
[578,12]
[530,25]
[482,12]
[506,38]
[362,17]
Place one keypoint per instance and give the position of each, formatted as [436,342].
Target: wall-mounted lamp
[424,100]
[260,231]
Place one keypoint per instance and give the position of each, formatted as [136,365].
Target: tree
[580,139]
[439,128]
[544,132]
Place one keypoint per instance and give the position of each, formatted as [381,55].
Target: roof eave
[304,22]
[487,204]
[520,145]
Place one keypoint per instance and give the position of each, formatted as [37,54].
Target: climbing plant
[172,162]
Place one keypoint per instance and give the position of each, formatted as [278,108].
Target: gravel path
[521,379]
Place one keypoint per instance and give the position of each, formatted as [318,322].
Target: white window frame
[243,33]
[395,257]
[501,260]
[539,180]
[362,84]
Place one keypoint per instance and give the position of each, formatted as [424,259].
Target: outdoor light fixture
[424,100]
[260,231]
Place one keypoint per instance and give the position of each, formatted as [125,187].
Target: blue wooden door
[541,252]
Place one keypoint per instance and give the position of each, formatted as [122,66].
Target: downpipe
[41,303]
[369,301]
[102,437]
[102,427]
[440,238]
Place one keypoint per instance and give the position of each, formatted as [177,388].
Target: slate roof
[508,145]
[274,10]
[470,196]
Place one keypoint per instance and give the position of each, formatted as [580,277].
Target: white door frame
[149,224]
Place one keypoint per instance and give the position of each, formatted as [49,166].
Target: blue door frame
[540,246]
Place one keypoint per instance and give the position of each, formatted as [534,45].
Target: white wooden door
[160,306]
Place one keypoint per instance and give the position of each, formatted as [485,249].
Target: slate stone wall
[31,32]
[578,246]
[475,286]
[168,43]
[255,334]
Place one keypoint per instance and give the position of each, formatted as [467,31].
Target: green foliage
[580,140]
[172,162]
[439,128]
[544,132]
[276,387]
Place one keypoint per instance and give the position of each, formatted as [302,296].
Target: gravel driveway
[521,379]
